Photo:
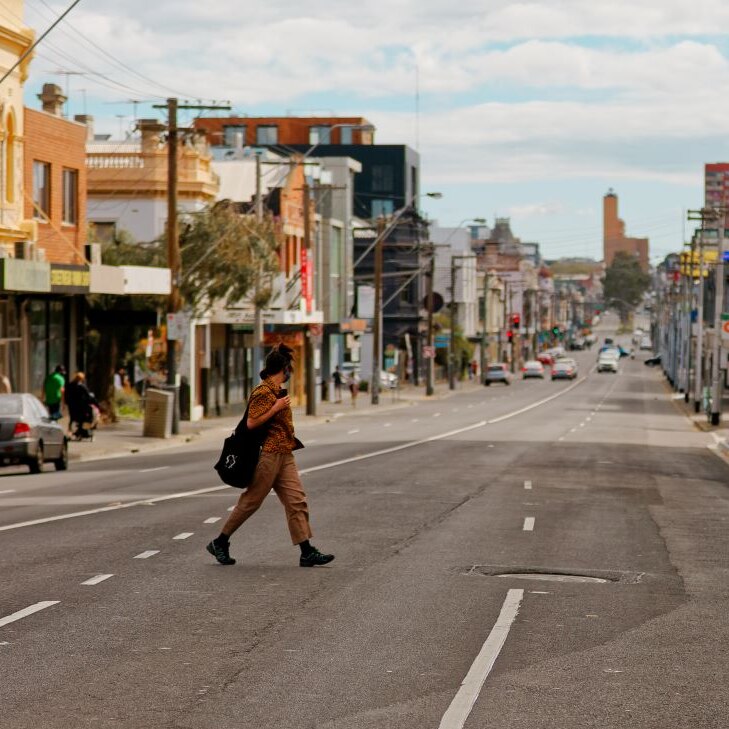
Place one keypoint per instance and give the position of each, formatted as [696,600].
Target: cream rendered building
[15,39]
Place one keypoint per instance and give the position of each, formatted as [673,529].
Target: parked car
[653,361]
[646,343]
[545,358]
[608,361]
[497,373]
[563,370]
[533,369]
[28,435]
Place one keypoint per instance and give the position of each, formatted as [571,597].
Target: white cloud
[535,210]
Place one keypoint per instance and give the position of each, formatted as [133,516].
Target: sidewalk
[125,437]
[720,433]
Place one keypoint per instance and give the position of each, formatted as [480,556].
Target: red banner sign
[306,279]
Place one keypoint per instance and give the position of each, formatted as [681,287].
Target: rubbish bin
[158,411]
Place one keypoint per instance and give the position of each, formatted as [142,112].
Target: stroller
[83,429]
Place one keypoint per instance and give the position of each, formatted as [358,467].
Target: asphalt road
[433,504]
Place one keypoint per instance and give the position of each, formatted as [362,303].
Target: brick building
[614,238]
[55,180]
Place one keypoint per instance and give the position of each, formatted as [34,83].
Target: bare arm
[280,404]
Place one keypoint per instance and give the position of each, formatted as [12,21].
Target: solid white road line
[149,470]
[27,611]
[353,431]
[97,579]
[211,520]
[463,702]
[528,524]
[303,471]
[527,484]
[146,555]
[7,491]
[183,535]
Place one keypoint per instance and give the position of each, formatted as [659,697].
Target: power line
[40,39]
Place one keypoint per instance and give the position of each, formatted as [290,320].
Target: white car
[646,343]
[533,369]
[608,361]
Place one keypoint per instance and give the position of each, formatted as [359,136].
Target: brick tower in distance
[614,238]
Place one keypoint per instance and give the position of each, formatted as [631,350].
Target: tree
[226,256]
[624,284]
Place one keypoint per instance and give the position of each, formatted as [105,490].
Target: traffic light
[555,331]
[510,335]
[515,320]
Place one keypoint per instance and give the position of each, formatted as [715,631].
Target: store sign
[67,279]
[21,275]
[290,339]
[178,325]
[306,279]
[725,328]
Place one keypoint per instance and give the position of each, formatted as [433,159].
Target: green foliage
[624,284]
[226,256]
[463,348]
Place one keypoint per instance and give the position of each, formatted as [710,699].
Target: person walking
[53,388]
[353,383]
[269,407]
[80,403]
[338,381]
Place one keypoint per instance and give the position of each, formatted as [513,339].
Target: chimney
[88,120]
[151,131]
[52,99]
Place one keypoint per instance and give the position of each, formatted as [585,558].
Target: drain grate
[551,574]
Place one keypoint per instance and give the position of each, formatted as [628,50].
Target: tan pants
[275,471]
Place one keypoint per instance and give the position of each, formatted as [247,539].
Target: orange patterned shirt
[280,428]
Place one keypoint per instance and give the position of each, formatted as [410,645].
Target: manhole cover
[549,573]
[546,577]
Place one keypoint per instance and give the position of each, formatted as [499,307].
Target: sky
[528,110]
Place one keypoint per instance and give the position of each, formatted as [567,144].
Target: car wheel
[487,383]
[36,465]
[61,464]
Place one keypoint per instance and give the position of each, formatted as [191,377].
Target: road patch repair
[552,574]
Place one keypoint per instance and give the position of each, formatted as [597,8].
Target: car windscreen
[496,368]
[11,405]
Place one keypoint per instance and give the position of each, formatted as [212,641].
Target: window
[383,178]
[104,231]
[267,134]
[346,135]
[70,197]
[382,207]
[10,160]
[230,132]
[41,190]
[320,135]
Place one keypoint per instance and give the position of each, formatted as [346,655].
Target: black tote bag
[239,458]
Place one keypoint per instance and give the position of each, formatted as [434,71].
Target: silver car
[28,435]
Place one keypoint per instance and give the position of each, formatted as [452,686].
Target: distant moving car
[545,358]
[497,373]
[564,370]
[608,361]
[569,361]
[533,369]
[28,435]
[653,361]
[646,343]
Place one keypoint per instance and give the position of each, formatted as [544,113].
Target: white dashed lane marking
[353,431]
[27,611]
[96,580]
[183,535]
[149,470]
[527,484]
[528,524]
[146,555]
[7,491]
[211,520]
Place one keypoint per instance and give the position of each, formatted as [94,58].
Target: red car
[545,358]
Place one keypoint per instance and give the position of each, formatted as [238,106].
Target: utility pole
[257,310]
[511,311]
[484,328]
[377,333]
[716,383]
[452,339]
[310,344]
[430,373]
[699,358]
[173,242]
[505,302]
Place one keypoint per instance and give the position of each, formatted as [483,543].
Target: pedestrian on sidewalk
[53,388]
[353,384]
[269,407]
[83,409]
[338,381]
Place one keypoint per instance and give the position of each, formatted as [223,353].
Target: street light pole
[377,333]
[430,373]
[484,328]
[716,383]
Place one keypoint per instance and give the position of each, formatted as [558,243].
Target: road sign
[725,256]
[442,341]
[725,327]
[428,352]
[177,325]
